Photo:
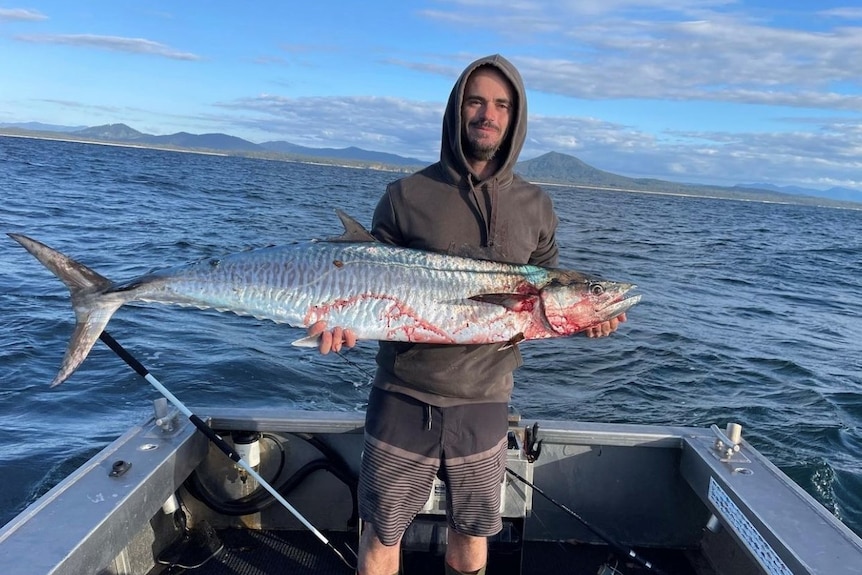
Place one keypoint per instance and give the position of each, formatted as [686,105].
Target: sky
[702,91]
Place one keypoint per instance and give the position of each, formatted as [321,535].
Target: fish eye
[597,289]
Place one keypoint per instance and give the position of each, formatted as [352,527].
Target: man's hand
[606,328]
[332,340]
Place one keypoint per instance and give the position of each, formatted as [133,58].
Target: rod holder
[727,443]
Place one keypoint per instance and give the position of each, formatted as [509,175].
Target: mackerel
[380,291]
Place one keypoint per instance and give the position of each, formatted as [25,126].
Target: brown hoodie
[445,208]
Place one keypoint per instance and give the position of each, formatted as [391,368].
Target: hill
[561,169]
[551,168]
[350,153]
[121,133]
[40,127]
[558,168]
[835,193]
[111,132]
[220,142]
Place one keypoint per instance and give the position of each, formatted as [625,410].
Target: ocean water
[750,311]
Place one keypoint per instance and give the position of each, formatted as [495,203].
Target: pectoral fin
[307,341]
[512,301]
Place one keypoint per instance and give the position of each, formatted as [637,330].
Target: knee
[375,557]
[466,554]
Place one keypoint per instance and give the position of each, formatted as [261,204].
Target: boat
[577,498]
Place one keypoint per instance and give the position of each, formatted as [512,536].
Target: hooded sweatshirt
[447,208]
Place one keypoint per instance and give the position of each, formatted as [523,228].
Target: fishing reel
[530,446]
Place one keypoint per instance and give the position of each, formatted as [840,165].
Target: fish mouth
[616,309]
[621,304]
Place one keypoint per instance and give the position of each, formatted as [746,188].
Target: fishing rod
[595,530]
[217,440]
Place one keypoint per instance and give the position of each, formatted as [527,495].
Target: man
[443,409]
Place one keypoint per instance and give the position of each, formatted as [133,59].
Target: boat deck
[164,502]
[250,552]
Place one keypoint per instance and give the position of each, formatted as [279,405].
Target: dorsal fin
[353,230]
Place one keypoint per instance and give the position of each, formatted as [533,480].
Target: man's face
[485,113]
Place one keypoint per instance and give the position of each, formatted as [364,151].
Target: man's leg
[400,458]
[473,465]
[375,558]
[465,553]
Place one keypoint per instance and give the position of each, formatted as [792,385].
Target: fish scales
[372,288]
[379,291]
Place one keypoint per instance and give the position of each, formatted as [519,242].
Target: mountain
[204,141]
[351,153]
[836,193]
[123,133]
[115,132]
[557,168]
[40,127]
[550,168]
[226,143]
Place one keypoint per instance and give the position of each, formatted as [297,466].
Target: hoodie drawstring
[427,417]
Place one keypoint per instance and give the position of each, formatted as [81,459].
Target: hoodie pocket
[454,370]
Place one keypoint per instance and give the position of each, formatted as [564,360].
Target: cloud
[20,14]
[449,70]
[410,128]
[604,50]
[676,50]
[844,13]
[395,125]
[112,43]
[798,156]
[92,108]
[688,51]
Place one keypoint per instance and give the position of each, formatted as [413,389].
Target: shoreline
[62,137]
[47,138]
[703,196]
[117,144]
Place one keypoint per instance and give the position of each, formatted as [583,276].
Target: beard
[479,150]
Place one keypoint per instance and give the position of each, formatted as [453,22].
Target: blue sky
[707,91]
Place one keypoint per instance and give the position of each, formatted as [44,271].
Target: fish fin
[353,230]
[307,341]
[515,340]
[92,309]
[511,301]
[74,274]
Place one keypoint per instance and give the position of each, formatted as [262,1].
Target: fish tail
[93,309]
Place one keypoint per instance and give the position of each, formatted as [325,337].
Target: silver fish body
[381,292]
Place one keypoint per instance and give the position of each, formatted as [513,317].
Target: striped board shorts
[408,443]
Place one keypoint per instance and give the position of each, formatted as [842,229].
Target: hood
[451,149]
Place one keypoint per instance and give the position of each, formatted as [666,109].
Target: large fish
[379,291]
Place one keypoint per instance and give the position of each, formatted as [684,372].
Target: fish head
[573,302]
